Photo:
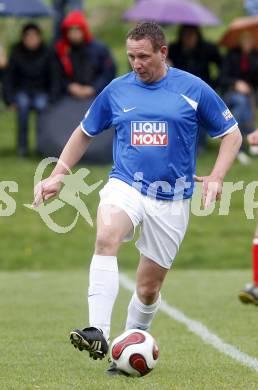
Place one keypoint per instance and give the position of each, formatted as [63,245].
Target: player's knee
[107,243]
[148,293]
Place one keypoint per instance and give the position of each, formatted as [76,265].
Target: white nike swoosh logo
[129,109]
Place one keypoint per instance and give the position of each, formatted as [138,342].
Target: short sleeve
[99,115]
[213,114]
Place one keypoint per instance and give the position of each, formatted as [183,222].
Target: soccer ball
[135,352]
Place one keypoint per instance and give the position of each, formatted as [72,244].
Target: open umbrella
[20,8]
[240,25]
[171,12]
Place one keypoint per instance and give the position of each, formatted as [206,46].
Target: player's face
[149,65]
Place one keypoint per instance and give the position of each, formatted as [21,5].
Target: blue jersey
[156,127]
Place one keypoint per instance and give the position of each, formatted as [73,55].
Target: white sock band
[102,292]
[139,315]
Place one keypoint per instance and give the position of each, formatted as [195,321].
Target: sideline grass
[39,309]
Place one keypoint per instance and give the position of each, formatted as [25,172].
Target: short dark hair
[148,30]
[31,26]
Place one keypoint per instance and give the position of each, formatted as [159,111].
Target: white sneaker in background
[243,158]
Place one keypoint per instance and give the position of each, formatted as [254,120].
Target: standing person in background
[195,55]
[192,53]
[86,64]
[28,82]
[61,8]
[250,293]
[239,81]
[3,58]
[3,66]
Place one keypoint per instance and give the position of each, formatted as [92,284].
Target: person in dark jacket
[86,64]
[239,80]
[28,84]
[195,55]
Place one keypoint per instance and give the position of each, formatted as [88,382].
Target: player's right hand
[47,189]
[211,189]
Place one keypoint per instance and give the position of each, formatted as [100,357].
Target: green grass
[39,309]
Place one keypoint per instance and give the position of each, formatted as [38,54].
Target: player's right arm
[97,119]
[71,154]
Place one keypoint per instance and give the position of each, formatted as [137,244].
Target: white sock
[140,316]
[102,292]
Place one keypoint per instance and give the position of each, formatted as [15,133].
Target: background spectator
[86,64]
[3,65]
[195,55]
[28,83]
[61,8]
[239,79]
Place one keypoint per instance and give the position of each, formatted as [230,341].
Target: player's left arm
[212,184]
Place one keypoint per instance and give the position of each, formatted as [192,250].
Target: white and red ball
[135,352]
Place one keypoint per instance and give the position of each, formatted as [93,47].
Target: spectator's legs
[39,103]
[242,108]
[22,101]
[202,140]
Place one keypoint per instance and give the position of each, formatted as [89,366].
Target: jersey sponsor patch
[153,133]
[227,114]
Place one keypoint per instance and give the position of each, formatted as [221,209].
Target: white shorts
[162,223]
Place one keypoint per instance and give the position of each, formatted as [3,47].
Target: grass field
[40,308]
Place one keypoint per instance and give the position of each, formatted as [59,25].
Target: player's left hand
[211,189]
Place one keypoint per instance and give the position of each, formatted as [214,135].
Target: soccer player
[250,293]
[156,111]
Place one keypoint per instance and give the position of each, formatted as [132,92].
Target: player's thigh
[120,210]
[113,223]
[162,230]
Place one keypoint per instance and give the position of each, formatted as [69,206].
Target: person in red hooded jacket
[87,64]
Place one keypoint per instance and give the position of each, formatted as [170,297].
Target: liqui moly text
[151,133]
